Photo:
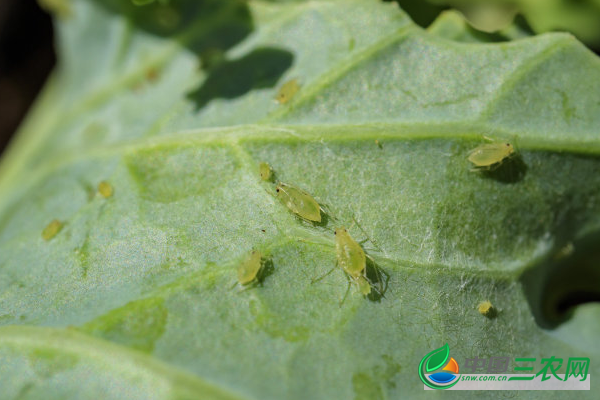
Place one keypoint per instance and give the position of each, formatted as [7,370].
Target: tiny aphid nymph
[265,171]
[486,308]
[105,189]
[249,269]
[52,229]
[299,202]
[287,91]
[487,155]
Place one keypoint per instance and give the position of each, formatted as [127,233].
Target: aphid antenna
[488,134]
[319,243]
[315,280]
[364,233]
[270,193]
[346,294]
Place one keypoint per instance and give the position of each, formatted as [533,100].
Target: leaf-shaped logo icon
[437,358]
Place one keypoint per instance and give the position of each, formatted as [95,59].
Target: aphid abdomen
[287,91]
[249,268]
[299,202]
[363,285]
[350,255]
[486,155]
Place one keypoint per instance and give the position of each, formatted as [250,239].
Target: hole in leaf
[565,280]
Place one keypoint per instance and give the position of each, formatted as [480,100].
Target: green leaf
[172,104]
[453,25]
[578,17]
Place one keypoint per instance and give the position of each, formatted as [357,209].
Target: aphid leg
[250,285]
[379,281]
[481,168]
[243,288]
[379,277]
[495,166]
[351,226]
[314,280]
[346,294]
[325,210]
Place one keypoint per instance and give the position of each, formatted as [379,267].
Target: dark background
[26,58]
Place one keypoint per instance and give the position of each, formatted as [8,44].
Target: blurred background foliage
[27,53]
[579,17]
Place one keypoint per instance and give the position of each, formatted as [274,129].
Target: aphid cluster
[349,254]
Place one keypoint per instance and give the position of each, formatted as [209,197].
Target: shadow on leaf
[209,28]
[566,279]
[199,25]
[259,69]
[379,280]
[266,271]
[511,170]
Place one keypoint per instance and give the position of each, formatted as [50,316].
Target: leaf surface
[177,115]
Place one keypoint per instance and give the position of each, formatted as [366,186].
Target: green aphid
[487,155]
[352,258]
[105,189]
[249,269]
[52,229]
[265,171]
[299,202]
[486,309]
[287,91]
